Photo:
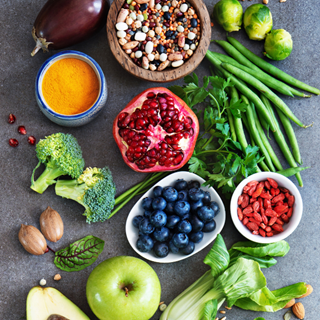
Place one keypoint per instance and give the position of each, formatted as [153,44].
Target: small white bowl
[133,233]
[287,227]
[80,118]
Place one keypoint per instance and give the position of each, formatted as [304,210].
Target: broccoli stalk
[94,189]
[62,155]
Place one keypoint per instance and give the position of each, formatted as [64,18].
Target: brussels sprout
[278,44]
[228,13]
[257,21]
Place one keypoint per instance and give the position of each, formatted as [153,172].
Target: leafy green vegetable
[79,255]
[210,310]
[217,157]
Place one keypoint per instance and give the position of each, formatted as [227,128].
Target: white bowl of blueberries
[175,219]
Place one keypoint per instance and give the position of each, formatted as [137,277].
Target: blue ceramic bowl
[81,118]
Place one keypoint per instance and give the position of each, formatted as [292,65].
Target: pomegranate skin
[63,23]
[158,134]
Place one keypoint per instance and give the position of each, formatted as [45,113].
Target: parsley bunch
[217,157]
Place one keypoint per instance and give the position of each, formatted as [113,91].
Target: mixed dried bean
[157,34]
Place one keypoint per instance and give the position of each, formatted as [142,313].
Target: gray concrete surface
[19,204]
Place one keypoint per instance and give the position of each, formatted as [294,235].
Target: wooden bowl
[169,74]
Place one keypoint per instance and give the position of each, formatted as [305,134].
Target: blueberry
[136,221]
[159,203]
[206,198]
[169,208]
[147,214]
[157,191]
[180,184]
[188,249]
[194,206]
[196,223]
[184,226]
[143,6]
[194,23]
[209,226]
[186,216]
[214,206]
[183,195]
[167,16]
[188,41]
[160,48]
[146,203]
[195,194]
[206,213]
[196,237]
[161,234]
[172,221]
[158,218]
[173,248]
[181,208]
[180,240]
[193,184]
[170,194]
[144,243]
[145,226]
[161,249]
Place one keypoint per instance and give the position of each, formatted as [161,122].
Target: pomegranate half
[156,131]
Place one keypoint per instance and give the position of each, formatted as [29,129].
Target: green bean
[255,133]
[264,89]
[271,69]
[265,141]
[291,171]
[242,88]
[257,73]
[291,136]
[281,141]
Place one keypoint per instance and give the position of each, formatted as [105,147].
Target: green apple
[123,288]
[44,302]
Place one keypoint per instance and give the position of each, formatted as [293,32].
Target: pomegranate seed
[32,140]
[22,130]
[13,142]
[12,118]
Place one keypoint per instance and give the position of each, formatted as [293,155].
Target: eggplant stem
[41,43]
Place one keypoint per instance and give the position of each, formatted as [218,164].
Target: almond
[298,310]
[309,291]
[290,304]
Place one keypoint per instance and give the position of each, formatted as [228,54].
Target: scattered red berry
[13,142]
[22,130]
[32,140]
[12,118]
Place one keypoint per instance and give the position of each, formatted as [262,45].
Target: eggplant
[63,23]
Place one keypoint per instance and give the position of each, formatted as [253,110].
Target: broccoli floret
[62,155]
[94,189]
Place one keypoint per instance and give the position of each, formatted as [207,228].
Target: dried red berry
[32,140]
[22,130]
[13,142]
[12,118]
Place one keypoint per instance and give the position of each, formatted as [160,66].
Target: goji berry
[245,201]
[291,201]
[268,229]
[272,221]
[240,199]
[253,200]
[252,190]
[277,227]
[252,226]
[265,219]
[257,193]
[240,215]
[273,184]
[287,194]
[270,213]
[262,225]
[247,210]
[267,204]
[256,206]
[255,232]
[246,189]
[269,234]
[273,192]
[279,203]
[267,185]
[284,190]
[280,209]
[252,183]
[277,191]
[289,214]
[266,195]
[262,210]
[280,197]
[245,220]
[279,221]
[285,218]
[257,216]
[262,232]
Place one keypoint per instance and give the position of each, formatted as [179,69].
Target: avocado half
[47,301]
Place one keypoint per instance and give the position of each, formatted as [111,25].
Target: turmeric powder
[70,86]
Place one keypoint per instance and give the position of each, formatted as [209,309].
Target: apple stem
[126,290]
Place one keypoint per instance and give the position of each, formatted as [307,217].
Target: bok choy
[235,277]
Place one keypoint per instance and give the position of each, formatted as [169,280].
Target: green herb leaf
[79,254]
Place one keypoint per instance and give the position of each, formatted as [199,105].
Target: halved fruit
[44,302]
